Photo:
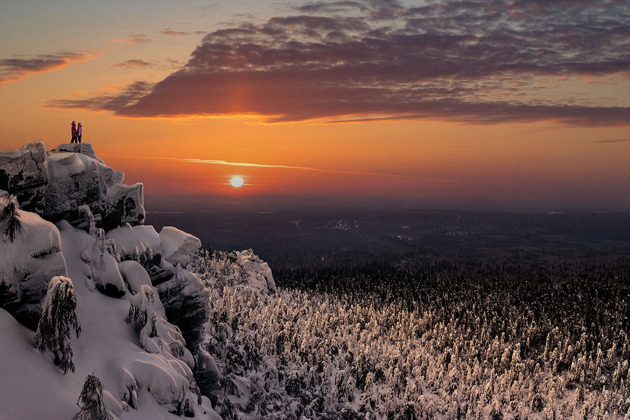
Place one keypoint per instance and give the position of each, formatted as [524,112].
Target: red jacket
[74,129]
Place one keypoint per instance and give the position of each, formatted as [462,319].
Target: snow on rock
[207,372]
[156,334]
[32,387]
[234,269]
[134,275]
[56,184]
[178,247]
[104,273]
[24,173]
[138,243]
[123,204]
[83,148]
[183,294]
[75,179]
[26,266]
[259,273]
[142,360]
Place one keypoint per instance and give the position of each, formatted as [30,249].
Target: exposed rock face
[178,247]
[75,180]
[123,204]
[26,266]
[185,300]
[24,173]
[56,184]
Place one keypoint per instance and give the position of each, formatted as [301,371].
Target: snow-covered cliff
[137,309]
[71,183]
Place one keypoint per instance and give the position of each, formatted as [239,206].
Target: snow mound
[26,266]
[134,275]
[104,273]
[178,247]
[139,243]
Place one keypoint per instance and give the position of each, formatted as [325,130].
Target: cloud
[14,69]
[610,141]
[106,101]
[172,32]
[135,38]
[470,62]
[133,64]
[274,166]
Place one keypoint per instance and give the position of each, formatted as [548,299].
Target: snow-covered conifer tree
[10,217]
[58,319]
[91,401]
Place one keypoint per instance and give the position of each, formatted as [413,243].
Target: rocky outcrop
[183,294]
[24,173]
[75,180]
[178,247]
[83,148]
[185,301]
[26,266]
[259,274]
[57,184]
[123,204]
[137,243]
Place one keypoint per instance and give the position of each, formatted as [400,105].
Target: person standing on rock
[79,132]
[74,132]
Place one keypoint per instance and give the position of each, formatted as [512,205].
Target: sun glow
[236,181]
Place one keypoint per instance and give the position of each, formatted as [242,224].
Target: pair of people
[77,132]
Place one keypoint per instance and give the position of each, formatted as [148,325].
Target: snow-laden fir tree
[58,319]
[91,401]
[10,217]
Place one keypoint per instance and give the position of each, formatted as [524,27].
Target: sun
[236,181]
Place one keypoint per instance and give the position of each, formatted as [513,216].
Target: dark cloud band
[14,69]
[473,62]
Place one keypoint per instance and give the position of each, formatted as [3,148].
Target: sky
[520,104]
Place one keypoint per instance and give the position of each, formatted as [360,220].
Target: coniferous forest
[412,339]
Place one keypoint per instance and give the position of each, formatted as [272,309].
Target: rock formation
[56,184]
[24,173]
[126,277]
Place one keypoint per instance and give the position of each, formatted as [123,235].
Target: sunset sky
[520,104]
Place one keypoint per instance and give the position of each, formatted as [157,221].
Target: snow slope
[150,376]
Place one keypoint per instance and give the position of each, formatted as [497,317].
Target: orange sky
[552,142]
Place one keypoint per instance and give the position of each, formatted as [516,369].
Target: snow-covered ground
[126,363]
